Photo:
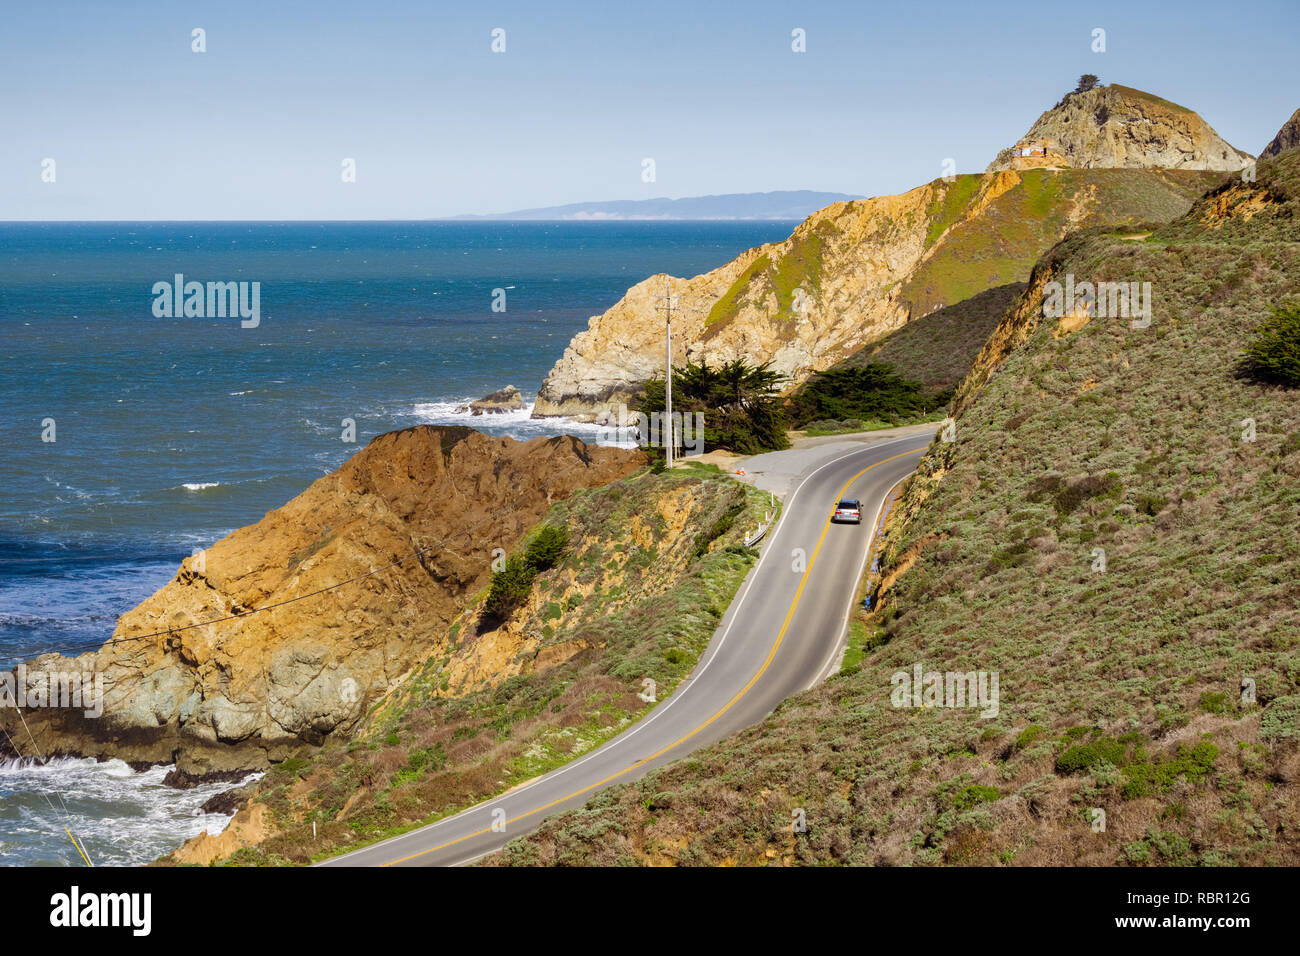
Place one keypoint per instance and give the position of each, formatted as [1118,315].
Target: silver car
[849,510]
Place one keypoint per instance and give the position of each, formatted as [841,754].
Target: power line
[45,762]
[302,597]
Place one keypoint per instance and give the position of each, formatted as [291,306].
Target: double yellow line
[771,654]
[77,845]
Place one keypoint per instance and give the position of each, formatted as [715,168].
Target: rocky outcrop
[624,347]
[1288,137]
[1118,127]
[248,826]
[503,400]
[320,608]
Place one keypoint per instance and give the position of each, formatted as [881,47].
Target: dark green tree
[547,547]
[873,392]
[511,586]
[1274,354]
[738,400]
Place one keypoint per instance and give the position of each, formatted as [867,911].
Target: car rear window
[848,503]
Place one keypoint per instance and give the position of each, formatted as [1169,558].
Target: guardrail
[768,517]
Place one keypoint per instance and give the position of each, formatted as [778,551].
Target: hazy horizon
[496,216]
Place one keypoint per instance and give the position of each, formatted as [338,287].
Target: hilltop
[1113,532]
[1119,127]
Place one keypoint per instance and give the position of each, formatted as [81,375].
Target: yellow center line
[771,655]
[77,845]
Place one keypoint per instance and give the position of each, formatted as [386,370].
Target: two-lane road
[780,636]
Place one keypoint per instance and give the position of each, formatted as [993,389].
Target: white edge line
[658,711]
[839,647]
[835,653]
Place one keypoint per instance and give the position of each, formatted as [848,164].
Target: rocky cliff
[1288,137]
[798,303]
[321,607]
[649,566]
[852,273]
[1118,127]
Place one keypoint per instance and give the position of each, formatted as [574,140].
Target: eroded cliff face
[359,577]
[849,275]
[1119,127]
[801,304]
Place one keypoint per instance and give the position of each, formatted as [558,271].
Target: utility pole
[667,299]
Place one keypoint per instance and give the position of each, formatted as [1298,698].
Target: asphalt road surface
[781,635]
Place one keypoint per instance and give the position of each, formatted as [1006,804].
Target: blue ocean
[170,432]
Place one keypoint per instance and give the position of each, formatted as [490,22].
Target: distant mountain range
[782,204]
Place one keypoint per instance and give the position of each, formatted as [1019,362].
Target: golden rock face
[241,692]
[1115,127]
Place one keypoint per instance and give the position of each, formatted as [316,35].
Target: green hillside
[938,349]
[1121,685]
[979,231]
[931,354]
[984,235]
[1000,243]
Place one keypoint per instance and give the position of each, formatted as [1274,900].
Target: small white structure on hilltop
[1036,148]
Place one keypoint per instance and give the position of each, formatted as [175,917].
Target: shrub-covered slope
[930,355]
[938,349]
[1103,535]
[632,579]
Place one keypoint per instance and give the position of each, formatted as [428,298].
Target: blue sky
[257,127]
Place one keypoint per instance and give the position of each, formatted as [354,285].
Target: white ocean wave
[200,485]
[121,816]
[518,424]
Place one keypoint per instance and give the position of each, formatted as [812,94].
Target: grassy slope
[996,246]
[800,266]
[632,587]
[1119,689]
[937,349]
[1001,244]
[1149,97]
